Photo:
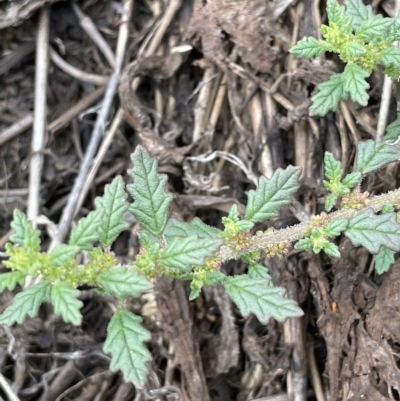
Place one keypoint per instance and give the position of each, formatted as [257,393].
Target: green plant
[363,41]
[195,251]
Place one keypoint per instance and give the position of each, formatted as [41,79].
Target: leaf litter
[247,98]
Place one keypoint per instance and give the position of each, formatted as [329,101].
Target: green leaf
[373,28]
[257,271]
[331,250]
[125,337]
[123,283]
[63,254]
[87,230]
[201,278]
[26,303]
[336,12]
[391,56]
[25,235]
[244,225]
[148,190]
[114,205]
[358,12]
[354,82]
[258,297]
[333,169]
[388,209]
[335,228]
[329,95]
[384,259]
[271,194]
[176,228]
[330,202]
[10,280]
[66,304]
[353,49]
[373,155]
[304,244]
[352,179]
[310,47]
[182,253]
[392,131]
[372,231]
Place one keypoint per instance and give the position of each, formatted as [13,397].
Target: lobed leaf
[354,82]
[10,280]
[373,28]
[373,155]
[25,235]
[62,254]
[310,47]
[123,283]
[182,253]
[304,244]
[114,205]
[86,231]
[352,179]
[353,49]
[392,131]
[331,249]
[64,298]
[330,202]
[258,297]
[336,12]
[26,303]
[358,12]
[125,337]
[329,95]
[384,259]
[176,228]
[257,271]
[372,231]
[271,194]
[333,169]
[391,56]
[152,202]
[336,227]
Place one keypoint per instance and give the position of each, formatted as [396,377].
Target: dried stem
[40,112]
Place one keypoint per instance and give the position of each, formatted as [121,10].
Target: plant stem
[291,234]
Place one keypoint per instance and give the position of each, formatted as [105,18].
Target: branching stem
[258,242]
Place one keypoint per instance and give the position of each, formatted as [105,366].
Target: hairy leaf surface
[310,47]
[152,201]
[182,253]
[26,303]
[271,194]
[114,205]
[355,84]
[335,227]
[392,131]
[371,29]
[330,93]
[258,297]
[372,231]
[123,283]
[66,304]
[62,254]
[25,235]
[176,228]
[87,230]
[373,155]
[358,12]
[125,337]
[384,259]
[10,280]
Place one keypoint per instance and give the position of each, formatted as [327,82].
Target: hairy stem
[294,233]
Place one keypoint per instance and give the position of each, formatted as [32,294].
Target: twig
[56,125]
[315,379]
[377,203]
[39,119]
[16,129]
[98,130]
[90,28]
[74,72]
[7,389]
[384,108]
